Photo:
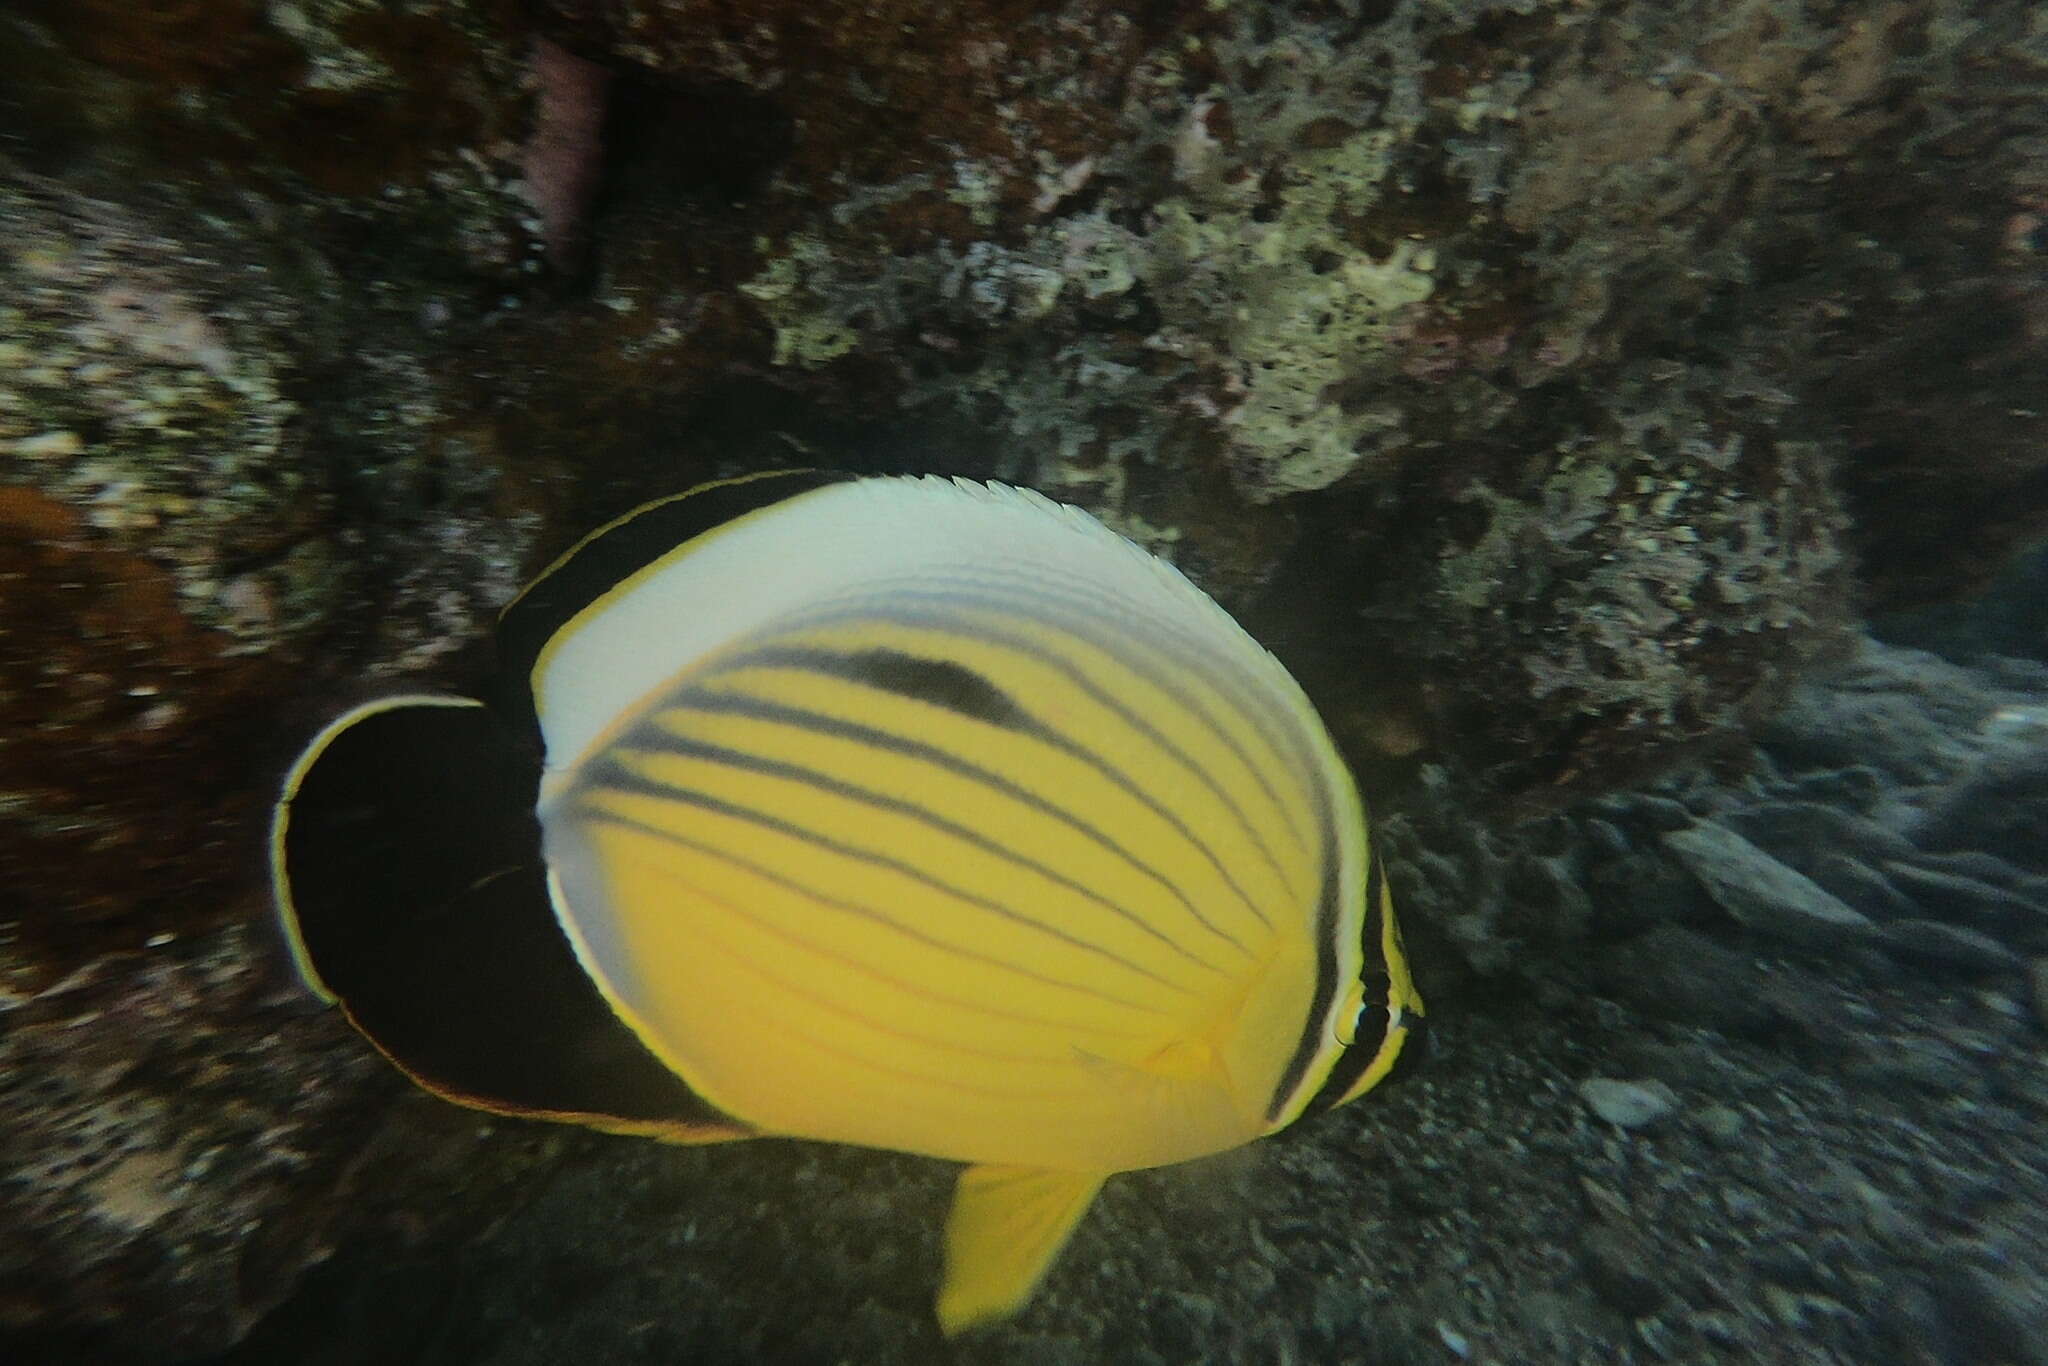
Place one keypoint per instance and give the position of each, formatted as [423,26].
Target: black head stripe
[1365,1046]
[1326,980]
[1369,1036]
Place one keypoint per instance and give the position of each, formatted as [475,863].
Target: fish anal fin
[1006,1226]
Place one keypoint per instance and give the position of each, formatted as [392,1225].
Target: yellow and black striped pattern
[914,813]
[1001,867]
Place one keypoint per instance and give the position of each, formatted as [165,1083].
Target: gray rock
[1720,1327]
[1657,1336]
[1950,896]
[2003,1316]
[1628,1104]
[1800,834]
[2021,674]
[1847,1188]
[1614,806]
[1690,1064]
[1858,788]
[1660,813]
[1762,893]
[1975,863]
[1673,974]
[1937,944]
[1923,1062]
[2037,983]
[1618,1262]
[1606,837]
[1807,1004]
[1898,712]
[2003,809]
[1632,894]
[1548,883]
[1863,887]
[1721,1124]
[1910,1313]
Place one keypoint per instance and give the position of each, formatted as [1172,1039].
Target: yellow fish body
[911,813]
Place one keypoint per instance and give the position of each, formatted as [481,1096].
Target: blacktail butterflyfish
[914,813]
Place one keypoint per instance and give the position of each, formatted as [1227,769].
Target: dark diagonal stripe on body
[941,682]
[1373,1021]
[1038,730]
[868,913]
[744,705]
[664,742]
[1326,991]
[608,773]
[820,660]
[1240,690]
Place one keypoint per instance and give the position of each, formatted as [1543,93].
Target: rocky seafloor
[1778,1094]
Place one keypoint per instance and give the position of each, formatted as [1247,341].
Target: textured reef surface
[1555,385]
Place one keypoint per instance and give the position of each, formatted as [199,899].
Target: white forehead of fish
[823,545]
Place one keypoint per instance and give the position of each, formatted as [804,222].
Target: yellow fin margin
[1006,1226]
[286,910]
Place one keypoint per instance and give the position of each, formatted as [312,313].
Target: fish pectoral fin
[1006,1226]
[1182,1089]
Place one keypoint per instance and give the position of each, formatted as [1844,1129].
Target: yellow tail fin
[1007,1225]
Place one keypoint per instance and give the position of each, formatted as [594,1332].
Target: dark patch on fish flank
[1066,667]
[940,682]
[845,665]
[817,723]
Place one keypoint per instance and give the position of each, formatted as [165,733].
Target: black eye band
[1365,1045]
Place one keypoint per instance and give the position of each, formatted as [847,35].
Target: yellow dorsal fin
[1007,1225]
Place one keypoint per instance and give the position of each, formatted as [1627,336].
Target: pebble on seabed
[1628,1104]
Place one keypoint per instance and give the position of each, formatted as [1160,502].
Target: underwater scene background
[1625,419]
